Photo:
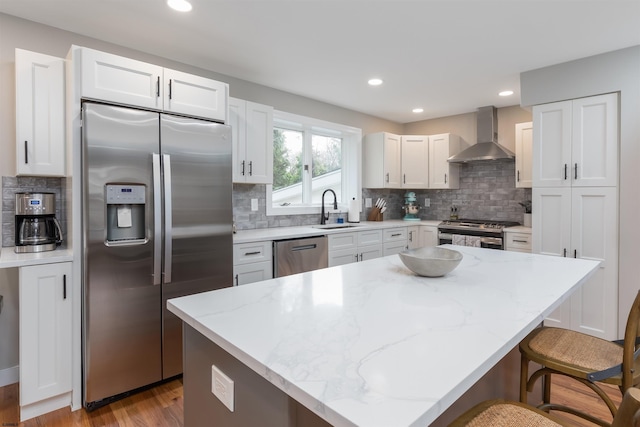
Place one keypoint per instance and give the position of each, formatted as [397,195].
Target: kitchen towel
[354,211]
[473,241]
[458,239]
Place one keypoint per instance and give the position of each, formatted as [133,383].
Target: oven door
[446,238]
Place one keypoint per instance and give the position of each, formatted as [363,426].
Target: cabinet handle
[158,88]
[396,235]
[237,283]
[170,88]
[243,168]
[404,178]
[520,241]
[518,179]
[565,171]
[356,257]
[575,176]
[360,257]
[575,253]
[387,177]
[26,153]
[252,253]
[445,178]
[411,236]
[565,253]
[64,286]
[251,168]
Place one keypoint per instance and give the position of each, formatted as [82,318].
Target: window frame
[351,161]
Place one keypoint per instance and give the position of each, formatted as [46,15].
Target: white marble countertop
[9,259]
[370,343]
[279,233]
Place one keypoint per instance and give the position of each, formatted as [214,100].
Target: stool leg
[524,376]
[546,385]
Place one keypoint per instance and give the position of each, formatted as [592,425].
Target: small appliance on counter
[37,229]
[411,207]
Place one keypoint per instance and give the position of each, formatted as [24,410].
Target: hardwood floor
[162,406]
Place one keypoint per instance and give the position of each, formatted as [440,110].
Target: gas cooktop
[476,224]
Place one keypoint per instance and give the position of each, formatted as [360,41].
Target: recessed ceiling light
[506,93]
[375,82]
[418,110]
[179,5]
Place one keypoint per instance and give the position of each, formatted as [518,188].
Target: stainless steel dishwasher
[299,255]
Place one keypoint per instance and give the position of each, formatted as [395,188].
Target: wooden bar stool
[584,358]
[500,413]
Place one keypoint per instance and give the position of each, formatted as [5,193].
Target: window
[309,157]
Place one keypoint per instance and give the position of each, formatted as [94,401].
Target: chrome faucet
[323,217]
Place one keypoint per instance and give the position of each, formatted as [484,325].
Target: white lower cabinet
[422,235]
[394,240]
[252,262]
[581,222]
[45,338]
[345,248]
[517,241]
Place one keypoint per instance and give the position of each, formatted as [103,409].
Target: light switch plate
[254,204]
[367,202]
[427,203]
[222,387]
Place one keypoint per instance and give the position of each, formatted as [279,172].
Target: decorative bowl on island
[431,261]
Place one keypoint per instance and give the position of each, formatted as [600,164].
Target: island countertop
[372,344]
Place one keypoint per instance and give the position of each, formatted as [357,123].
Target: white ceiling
[448,56]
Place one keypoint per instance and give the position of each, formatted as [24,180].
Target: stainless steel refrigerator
[157,224]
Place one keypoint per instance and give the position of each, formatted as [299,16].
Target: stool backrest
[631,344]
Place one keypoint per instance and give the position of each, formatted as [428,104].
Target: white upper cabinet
[576,142]
[107,77]
[194,95]
[252,136]
[524,154]
[382,160]
[414,161]
[443,174]
[40,106]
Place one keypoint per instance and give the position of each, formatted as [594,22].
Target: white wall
[617,71]
[20,33]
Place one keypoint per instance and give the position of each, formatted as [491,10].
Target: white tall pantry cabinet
[575,203]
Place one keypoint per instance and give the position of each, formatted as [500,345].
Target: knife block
[375,215]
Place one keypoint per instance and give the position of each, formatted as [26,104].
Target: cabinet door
[343,256]
[594,154]
[551,221]
[237,108]
[45,332]
[107,77]
[428,235]
[413,237]
[369,237]
[393,248]
[594,234]
[552,145]
[40,106]
[443,174]
[252,272]
[259,151]
[369,252]
[415,161]
[194,95]
[392,161]
[524,153]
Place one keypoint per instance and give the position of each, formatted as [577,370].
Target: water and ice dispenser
[125,213]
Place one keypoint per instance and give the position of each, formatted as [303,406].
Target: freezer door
[198,243]
[121,310]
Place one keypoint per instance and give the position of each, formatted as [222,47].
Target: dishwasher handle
[303,247]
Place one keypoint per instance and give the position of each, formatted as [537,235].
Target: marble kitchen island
[367,344]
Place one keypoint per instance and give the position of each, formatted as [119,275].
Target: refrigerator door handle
[166,162]
[157,219]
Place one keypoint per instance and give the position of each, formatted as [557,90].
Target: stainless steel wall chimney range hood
[487,147]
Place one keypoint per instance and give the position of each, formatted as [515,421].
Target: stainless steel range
[483,233]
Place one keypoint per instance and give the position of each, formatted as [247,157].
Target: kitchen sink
[332,226]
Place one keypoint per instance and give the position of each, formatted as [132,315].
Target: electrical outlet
[222,387]
[368,203]
[254,204]
[427,203]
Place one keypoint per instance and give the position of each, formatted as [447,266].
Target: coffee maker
[37,229]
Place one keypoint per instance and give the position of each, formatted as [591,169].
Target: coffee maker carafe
[37,229]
